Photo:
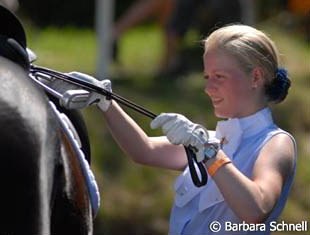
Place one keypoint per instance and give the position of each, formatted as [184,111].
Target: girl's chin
[220,114]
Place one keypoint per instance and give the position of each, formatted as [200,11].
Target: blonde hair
[251,48]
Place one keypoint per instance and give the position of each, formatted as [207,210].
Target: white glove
[76,97]
[180,130]
[102,102]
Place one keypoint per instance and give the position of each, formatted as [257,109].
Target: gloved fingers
[161,119]
[94,98]
[173,136]
[183,131]
[169,126]
[62,86]
[82,76]
[176,127]
[197,142]
[202,129]
[200,133]
[104,104]
[106,84]
[86,77]
[178,135]
[75,74]
[75,99]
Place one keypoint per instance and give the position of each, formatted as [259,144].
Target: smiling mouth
[216,102]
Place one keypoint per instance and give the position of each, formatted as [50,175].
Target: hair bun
[277,90]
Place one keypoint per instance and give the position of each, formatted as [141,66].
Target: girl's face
[230,89]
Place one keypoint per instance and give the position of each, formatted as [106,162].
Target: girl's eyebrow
[225,71]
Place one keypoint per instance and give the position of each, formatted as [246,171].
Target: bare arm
[253,199]
[152,151]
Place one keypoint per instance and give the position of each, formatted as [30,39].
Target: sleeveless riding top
[195,209]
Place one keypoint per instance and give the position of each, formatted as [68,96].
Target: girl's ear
[257,77]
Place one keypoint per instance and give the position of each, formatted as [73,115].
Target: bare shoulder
[280,146]
[278,154]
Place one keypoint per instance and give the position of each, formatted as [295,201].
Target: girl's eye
[216,76]
[206,77]
[220,76]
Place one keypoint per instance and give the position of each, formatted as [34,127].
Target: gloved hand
[102,101]
[180,130]
[76,97]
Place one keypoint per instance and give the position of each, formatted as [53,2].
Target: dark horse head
[43,188]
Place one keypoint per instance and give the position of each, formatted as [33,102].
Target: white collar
[234,129]
[253,124]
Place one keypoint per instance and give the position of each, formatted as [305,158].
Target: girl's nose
[210,86]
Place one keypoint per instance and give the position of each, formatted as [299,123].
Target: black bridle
[199,181]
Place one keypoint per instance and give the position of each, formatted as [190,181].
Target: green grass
[64,49]
[143,53]
[137,199]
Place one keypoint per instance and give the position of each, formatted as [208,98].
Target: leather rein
[199,178]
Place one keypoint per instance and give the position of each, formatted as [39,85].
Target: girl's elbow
[255,217]
[139,160]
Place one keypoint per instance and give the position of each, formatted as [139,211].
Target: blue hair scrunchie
[281,74]
[277,90]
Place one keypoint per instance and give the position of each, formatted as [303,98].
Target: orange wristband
[217,164]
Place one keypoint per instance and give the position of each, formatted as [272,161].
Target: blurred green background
[136,200]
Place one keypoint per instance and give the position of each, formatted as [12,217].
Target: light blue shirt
[195,209]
